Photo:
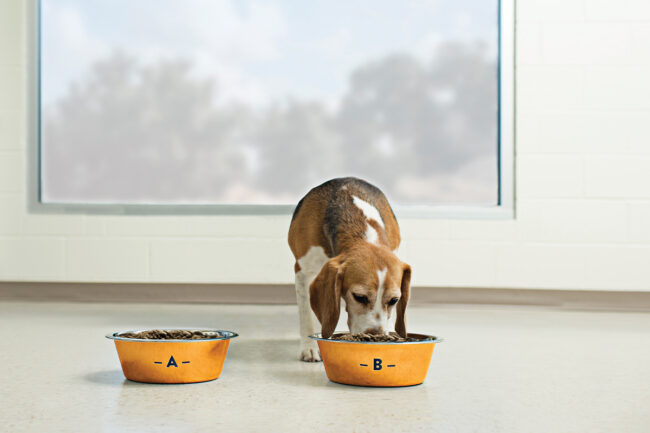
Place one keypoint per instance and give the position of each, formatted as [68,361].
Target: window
[212,102]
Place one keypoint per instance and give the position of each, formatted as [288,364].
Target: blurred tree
[298,145]
[129,133]
[133,133]
[435,118]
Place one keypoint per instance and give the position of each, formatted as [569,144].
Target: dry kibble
[174,334]
[391,337]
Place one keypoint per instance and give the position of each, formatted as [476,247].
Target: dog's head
[373,282]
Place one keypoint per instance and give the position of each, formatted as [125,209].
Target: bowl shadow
[106,377]
[116,378]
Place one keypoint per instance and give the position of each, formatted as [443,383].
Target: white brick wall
[614,176]
[583,181]
[256,260]
[101,259]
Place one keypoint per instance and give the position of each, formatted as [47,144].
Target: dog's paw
[309,352]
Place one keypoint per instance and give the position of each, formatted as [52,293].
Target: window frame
[504,209]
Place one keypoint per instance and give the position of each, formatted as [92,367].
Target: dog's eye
[360,299]
[393,301]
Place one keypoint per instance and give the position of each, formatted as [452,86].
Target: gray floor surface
[500,369]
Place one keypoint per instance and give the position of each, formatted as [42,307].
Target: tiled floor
[499,370]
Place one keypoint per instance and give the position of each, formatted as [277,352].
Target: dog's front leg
[308,348]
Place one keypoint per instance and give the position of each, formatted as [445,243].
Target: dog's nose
[377,330]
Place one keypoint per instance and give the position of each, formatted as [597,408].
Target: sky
[260,52]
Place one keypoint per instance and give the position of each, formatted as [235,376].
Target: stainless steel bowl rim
[430,339]
[225,335]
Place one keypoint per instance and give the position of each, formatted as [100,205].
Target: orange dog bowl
[173,361]
[377,363]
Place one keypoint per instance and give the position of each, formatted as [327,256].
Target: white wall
[583,181]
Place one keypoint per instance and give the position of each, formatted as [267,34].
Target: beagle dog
[344,237]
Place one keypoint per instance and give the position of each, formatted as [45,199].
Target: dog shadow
[277,359]
[268,351]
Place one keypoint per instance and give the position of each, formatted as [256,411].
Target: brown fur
[327,217]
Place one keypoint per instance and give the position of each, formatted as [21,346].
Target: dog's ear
[325,295]
[400,320]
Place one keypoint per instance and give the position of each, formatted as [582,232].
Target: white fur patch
[371,213]
[371,234]
[380,291]
[368,210]
[313,261]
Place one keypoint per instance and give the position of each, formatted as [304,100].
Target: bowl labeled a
[173,361]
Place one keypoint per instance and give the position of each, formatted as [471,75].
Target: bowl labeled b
[366,363]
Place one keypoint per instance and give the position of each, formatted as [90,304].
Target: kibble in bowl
[376,360]
[172,355]
[391,337]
